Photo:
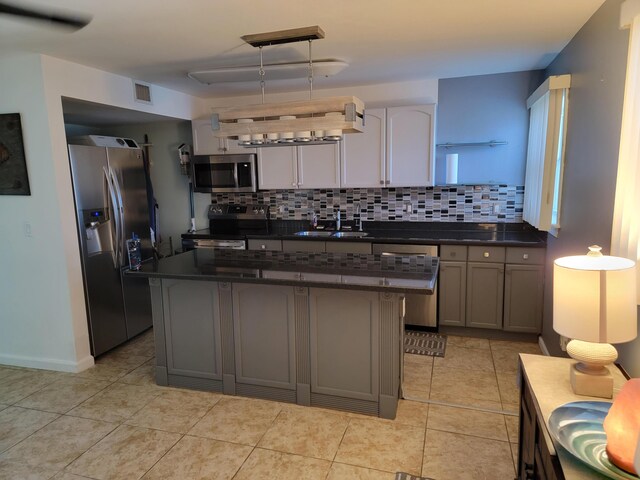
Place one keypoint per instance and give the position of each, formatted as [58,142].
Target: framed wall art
[14,179]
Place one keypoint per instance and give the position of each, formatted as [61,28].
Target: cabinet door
[204,143]
[264,335]
[363,160]
[277,168]
[344,343]
[230,145]
[410,146]
[319,166]
[452,283]
[523,298]
[485,284]
[192,328]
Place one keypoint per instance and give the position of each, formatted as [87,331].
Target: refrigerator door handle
[116,219]
[116,186]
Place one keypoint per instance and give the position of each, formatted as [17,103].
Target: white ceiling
[159,41]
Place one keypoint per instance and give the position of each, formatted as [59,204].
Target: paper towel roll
[452,168]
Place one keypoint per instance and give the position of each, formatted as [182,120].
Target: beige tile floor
[113,422]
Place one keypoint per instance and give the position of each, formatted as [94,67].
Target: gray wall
[483,108]
[596,58]
[170,187]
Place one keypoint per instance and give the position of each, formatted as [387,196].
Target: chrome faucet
[336,217]
[358,218]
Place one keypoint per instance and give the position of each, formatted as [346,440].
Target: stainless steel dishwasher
[420,310]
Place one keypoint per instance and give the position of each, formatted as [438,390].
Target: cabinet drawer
[349,247]
[456,253]
[314,246]
[533,256]
[273,245]
[487,254]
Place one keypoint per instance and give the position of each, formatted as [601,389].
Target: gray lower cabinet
[192,330]
[264,335]
[315,246]
[523,291]
[268,244]
[485,287]
[344,343]
[452,285]
[330,348]
[348,247]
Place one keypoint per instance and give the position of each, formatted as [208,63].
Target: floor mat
[424,343]
[407,476]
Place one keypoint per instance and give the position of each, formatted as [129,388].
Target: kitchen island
[320,329]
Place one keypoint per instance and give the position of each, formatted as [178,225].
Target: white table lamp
[594,304]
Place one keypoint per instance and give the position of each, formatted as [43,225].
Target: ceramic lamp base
[592,385]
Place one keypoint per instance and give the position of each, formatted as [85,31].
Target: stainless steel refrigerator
[109,187]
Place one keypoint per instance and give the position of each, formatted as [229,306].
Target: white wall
[42,312]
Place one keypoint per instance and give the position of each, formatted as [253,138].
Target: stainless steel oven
[224,173]
[229,224]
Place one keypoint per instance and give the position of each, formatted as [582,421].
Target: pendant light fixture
[318,121]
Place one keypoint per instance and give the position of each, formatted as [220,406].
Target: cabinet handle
[525,256]
[263,246]
[293,184]
[485,254]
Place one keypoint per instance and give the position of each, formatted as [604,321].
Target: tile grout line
[457,405]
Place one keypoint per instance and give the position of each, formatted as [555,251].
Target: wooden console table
[544,387]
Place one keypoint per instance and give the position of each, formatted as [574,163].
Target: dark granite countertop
[425,233]
[398,273]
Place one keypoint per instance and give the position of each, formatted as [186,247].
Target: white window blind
[545,153]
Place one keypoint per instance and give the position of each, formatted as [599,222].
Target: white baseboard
[47,363]
[543,346]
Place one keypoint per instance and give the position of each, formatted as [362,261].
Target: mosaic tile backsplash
[461,203]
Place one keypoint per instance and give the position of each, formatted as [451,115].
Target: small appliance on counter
[229,224]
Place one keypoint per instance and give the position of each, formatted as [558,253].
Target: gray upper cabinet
[192,328]
[264,335]
[344,334]
[485,285]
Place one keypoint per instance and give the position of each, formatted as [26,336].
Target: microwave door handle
[116,186]
[115,220]
[235,174]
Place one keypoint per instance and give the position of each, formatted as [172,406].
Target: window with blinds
[548,107]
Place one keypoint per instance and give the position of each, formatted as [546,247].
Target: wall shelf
[491,143]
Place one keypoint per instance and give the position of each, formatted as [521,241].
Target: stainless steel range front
[228,226]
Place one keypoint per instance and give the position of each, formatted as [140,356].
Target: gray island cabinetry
[321,329]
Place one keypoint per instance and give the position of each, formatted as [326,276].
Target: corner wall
[596,58]
[42,310]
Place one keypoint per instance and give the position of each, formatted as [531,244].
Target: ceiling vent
[142,92]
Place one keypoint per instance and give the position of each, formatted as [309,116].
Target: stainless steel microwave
[224,173]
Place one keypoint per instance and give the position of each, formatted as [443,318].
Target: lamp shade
[594,298]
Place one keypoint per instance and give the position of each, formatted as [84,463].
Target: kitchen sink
[350,234]
[313,233]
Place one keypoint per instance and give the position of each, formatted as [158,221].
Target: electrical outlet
[496,209]
[408,207]
[27,229]
[563,343]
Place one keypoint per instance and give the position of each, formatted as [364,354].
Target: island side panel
[192,334]
[391,350]
[303,355]
[157,313]
[345,349]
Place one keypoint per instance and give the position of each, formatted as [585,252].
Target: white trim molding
[47,363]
[625,234]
